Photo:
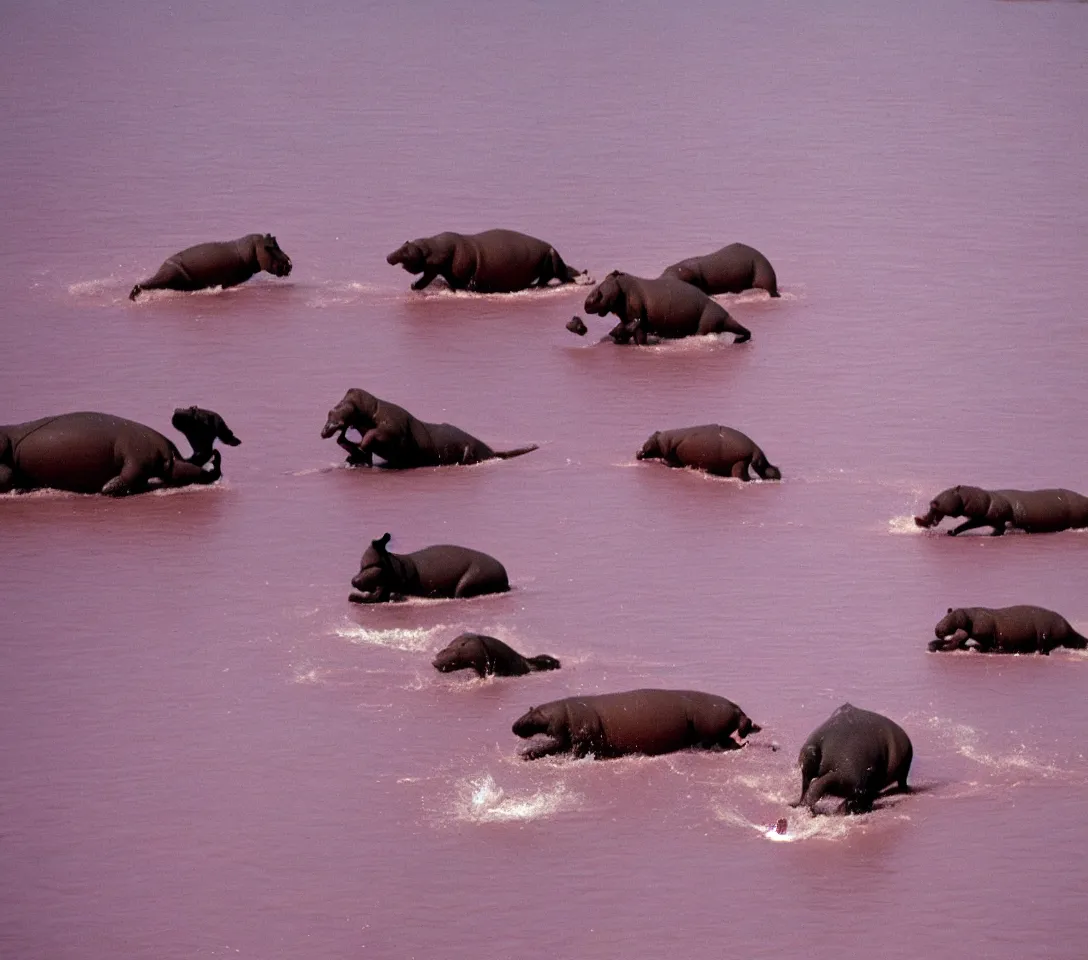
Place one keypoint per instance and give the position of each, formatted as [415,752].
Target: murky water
[206,751]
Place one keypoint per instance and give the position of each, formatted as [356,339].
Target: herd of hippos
[854,755]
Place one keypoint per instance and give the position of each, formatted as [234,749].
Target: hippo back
[82,451]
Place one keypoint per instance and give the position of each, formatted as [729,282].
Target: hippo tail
[520,451]
[542,662]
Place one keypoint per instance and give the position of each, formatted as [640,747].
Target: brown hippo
[854,754]
[1020,629]
[665,307]
[721,451]
[90,452]
[486,655]
[439,571]
[1033,511]
[219,264]
[400,439]
[731,269]
[638,721]
[495,261]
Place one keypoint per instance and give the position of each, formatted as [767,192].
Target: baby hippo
[721,451]
[486,655]
[439,571]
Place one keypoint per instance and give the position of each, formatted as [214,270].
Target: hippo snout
[443,664]
[331,426]
[285,268]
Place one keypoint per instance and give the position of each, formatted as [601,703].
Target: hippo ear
[380,545]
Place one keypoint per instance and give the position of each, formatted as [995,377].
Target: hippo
[1019,629]
[486,655]
[202,428]
[400,439]
[495,261]
[219,264]
[721,451]
[1033,511]
[89,452]
[666,307]
[646,722]
[577,326]
[854,754]
[440,571]
[731,269]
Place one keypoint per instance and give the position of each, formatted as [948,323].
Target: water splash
[414,640]
[482,800]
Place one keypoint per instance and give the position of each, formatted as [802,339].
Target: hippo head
[745,726]
[376,575]
[606,296]
[651,448]
[461,653]
[411,255]
[531,723]
[769,472]
[951,622]
[959,501]
[688,273]
[271,258]
[356,410]
[202,428]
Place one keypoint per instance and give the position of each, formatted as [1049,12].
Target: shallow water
[207,751]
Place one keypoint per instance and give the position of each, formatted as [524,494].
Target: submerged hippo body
[218,264]
[731,269]
[665,307]
[715,449]
[1033,511]
[402,440]
[444,570]
[90,452]
[488,656]
[637,721]
[1019,629]
[854,754]
[495,261]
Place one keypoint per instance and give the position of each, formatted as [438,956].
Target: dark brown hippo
[665,307]
[718,450]
[638,721]
[202,428]
[1033,511]
[220,264]
[731,269]
[439,571]
[486,655]
[1020,629]
[91,452]
[495,261]
[400,439]
[854,754]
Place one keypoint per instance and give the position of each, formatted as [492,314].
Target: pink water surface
[205,751]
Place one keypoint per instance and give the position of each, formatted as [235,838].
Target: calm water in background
[205,751]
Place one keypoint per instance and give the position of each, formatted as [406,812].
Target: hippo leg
[545,750]
[975,522]
[740,471]
[426,280]
[356,457]
[7,478]
[131,479]
[817,788]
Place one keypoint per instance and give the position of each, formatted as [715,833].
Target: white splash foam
[94,288]
[799,826]
[965,741]
[484,801]
[411,641]
[904,525]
